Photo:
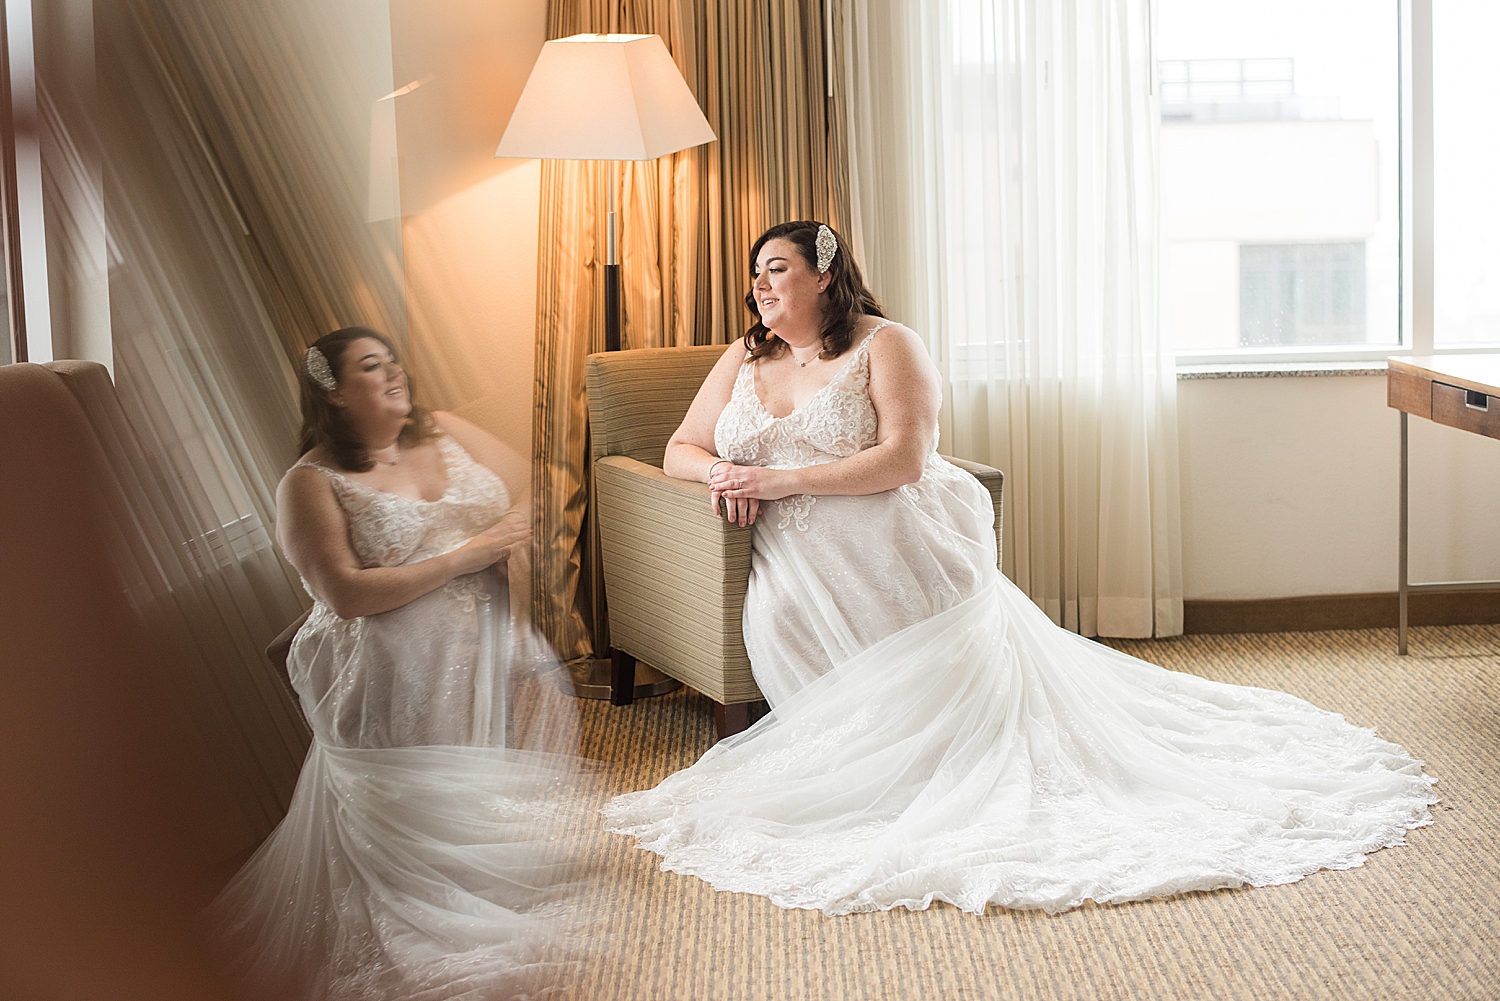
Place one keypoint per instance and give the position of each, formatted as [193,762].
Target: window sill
[1280,370]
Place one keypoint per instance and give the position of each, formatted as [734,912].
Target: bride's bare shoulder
[727,368]
[302,479]
[895,341]
[883,327]
[733,356]
[900,366]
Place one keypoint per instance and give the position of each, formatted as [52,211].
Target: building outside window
[1302,293]
[1279,151]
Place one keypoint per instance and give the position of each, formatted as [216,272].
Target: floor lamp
[606,97]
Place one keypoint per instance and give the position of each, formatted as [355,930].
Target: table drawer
[1466,409]
[1408,392]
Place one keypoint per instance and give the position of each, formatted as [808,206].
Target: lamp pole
[612,271]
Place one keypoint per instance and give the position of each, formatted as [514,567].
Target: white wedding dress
[418,857]
[935,737]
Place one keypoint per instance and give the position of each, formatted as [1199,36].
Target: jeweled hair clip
[827,245]
[319,369]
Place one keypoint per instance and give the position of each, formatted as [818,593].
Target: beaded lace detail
[388,530]
[838,421]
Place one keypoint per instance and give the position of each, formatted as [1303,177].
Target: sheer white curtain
[1003,161]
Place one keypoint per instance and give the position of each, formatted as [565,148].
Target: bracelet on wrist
[711,466]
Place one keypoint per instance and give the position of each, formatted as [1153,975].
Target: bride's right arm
[314,534]
[691,450]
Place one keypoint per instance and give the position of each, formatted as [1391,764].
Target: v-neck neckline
[447,474]
[821,389]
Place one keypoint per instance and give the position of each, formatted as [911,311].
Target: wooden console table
[1461,391]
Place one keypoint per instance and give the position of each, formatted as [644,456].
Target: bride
[934,736]
[416,860]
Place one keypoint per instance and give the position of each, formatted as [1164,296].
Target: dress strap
[344,489]
[315,465]
[342,485]
[875,330]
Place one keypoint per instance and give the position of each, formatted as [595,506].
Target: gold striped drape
[686,222]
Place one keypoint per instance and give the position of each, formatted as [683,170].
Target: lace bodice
[838,421]
[388,530]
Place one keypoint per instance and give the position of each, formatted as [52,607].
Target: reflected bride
[934,736]
[419,856]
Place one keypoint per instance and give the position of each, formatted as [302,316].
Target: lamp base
[591,680]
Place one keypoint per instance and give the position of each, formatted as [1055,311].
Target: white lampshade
[604,97]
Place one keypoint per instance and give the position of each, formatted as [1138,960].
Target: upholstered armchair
[675,574]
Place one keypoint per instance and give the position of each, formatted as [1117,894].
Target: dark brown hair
[847,296]
[324,424]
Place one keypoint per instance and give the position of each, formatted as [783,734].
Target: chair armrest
[675,576]
[992,480]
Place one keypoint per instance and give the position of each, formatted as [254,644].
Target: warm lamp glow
[604,97]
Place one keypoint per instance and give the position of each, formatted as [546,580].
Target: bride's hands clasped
[744,487]
[495,544]
[511,530]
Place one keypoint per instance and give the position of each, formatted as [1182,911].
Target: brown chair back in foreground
[675,574]
[113,817]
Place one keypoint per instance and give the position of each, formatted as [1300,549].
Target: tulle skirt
[984,756]
[429,851]
[410,872]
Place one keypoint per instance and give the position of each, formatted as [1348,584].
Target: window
[1466,166]
[1280,148]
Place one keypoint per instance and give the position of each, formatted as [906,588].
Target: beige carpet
[1419,921]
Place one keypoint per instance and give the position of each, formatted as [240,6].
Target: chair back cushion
[638,398]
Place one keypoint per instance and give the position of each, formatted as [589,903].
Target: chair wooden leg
[621,678]
[731,719]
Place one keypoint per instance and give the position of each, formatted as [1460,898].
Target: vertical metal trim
[10,205]
[611,238]
[1403,335]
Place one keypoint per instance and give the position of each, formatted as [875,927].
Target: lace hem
[872,868]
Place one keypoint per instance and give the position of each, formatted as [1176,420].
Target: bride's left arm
[906,392]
